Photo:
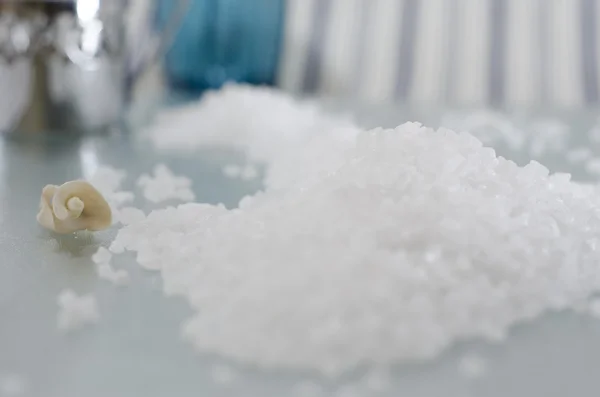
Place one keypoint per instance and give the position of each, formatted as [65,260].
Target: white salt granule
[318,157]
[264,122]
[249,172]
[232,170]
[107,180]
[12,385]
[165,185]
[472,366]
[102,255]
[578,155]
[75,312]
[222,374]
[389,248]
[117,277]
[116,247]
[593,166]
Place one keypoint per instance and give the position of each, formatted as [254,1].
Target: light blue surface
[136,349]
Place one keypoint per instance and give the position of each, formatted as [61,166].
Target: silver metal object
[81,65]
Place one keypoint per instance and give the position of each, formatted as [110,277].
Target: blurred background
[435,54]
[504,53]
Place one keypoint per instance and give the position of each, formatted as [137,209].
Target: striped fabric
[460,52]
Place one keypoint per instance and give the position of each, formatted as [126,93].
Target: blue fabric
[224,40]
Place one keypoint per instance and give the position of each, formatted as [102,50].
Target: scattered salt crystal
[102,255]
[249,172]
[264,122]
[223,374]
[232,171]
[165,185]
[472,366]
[579,154]
[107,180]
[593,166]
[75,312]
[116,248]
[12,385]
[117,277]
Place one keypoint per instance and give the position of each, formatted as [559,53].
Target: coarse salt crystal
[107,180]
[117,277]
[165,185]
[75,312]
[116,248]
[264,122]
[378,246]
[396,227]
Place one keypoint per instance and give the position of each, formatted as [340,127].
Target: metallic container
[80,64]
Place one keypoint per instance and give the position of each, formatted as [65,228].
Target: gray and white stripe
[462,52]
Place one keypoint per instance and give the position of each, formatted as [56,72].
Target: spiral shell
[73,206]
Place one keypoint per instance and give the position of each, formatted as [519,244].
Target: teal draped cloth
[224,40]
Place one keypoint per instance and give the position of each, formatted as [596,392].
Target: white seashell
[73,206]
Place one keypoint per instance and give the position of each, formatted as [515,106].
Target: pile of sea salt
[263,122]
[387,247]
